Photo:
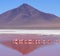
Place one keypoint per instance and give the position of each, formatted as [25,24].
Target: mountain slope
[27,17]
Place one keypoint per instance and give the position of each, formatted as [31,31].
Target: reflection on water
[27,45]
[5,51]
[53,50]
[23,48]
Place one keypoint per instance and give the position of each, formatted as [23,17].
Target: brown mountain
[27,17]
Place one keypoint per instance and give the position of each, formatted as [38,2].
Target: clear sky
[49,6]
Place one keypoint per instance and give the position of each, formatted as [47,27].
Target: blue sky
[49,6]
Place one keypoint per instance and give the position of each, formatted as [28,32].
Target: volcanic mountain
[27,17]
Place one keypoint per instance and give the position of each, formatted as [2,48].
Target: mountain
[27,17]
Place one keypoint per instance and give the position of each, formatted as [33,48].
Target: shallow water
[5,51]
[7,48]
[52,50]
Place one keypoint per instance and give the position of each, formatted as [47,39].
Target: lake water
[51,50]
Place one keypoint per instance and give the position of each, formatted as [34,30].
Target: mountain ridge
[25,16]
